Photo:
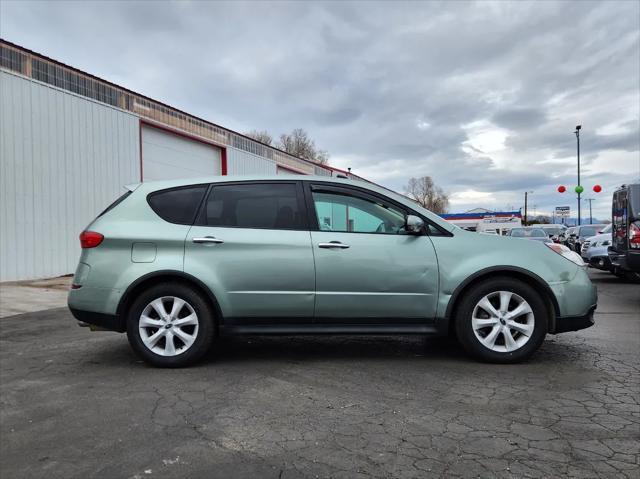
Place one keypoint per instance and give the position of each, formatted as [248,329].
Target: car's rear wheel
[501,320]
[170,325]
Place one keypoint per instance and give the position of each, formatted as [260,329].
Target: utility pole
[590,217]
[526,194]
[579,187]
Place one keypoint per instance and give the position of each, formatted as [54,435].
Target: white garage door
[166,156]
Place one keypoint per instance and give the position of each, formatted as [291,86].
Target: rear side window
[178,205]
[259,205]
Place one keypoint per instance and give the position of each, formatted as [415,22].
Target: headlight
[567,253]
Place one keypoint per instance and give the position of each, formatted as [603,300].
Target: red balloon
[561,189]
[597,188]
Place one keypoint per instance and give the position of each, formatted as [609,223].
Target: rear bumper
[112,322]
[629,261]
[575,323]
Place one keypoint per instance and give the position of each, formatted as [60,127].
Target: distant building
[481,219]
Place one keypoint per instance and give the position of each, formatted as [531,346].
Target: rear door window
[255,205]
[177,205]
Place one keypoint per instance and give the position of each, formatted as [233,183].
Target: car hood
[600,237]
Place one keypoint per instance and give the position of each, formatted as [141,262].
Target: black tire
[204,335]
[618,272]
[632,277]
[467,305]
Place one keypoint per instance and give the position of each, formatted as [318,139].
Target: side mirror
[413,225]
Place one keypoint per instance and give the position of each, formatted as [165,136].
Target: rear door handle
[333,244]
[208,239]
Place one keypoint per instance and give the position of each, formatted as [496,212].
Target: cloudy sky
[482,96]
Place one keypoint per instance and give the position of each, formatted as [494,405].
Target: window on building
[258,205]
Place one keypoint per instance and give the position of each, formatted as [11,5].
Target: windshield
[553,230]
[589,231]
[528,233]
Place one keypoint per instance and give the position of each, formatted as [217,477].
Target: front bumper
[575,323]
[599,262]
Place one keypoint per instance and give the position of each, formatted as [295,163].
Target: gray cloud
[519,118]
[482,96]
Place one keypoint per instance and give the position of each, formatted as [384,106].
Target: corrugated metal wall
[242,163]
[63,159]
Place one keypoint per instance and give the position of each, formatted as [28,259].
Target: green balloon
[579,189]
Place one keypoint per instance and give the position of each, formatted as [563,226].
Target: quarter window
[352,214]
[259,205]
[177,205]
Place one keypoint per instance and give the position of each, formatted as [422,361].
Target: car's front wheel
[501,320]
[170,325]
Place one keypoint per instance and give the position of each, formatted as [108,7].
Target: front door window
[350,214]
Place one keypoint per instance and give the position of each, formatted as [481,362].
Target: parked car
[175,263]
[553,231]
[594,250]
[624,253]
[582,233]
[530,233]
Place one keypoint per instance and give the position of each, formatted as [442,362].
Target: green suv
[175,264]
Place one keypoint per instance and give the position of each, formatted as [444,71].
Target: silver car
[594,250]
[535,234]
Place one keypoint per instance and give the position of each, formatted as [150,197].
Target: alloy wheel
[168,326]
[503,321]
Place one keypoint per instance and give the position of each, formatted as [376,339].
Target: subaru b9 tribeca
[174,264]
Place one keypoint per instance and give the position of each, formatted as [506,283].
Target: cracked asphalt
[80,404]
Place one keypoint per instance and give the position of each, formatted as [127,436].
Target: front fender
[467,256]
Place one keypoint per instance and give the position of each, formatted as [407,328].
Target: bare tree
[425,192]
[261,136]
[298,143]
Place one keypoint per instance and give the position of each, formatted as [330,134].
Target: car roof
[164,184]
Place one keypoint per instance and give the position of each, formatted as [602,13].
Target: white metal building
[69,141]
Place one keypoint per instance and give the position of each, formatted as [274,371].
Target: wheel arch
[514,272]
[156,277]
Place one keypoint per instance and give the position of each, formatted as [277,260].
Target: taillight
[90,239]
[634,236]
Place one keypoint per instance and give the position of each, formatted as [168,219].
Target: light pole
[526,194]
[590,217]
[578,188]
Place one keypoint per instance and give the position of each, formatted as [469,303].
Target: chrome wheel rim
[503,321]
[168,326]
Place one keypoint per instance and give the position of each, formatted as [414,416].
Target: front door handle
[207,239]
[333,244]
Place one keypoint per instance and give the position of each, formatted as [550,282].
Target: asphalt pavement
[79,404]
